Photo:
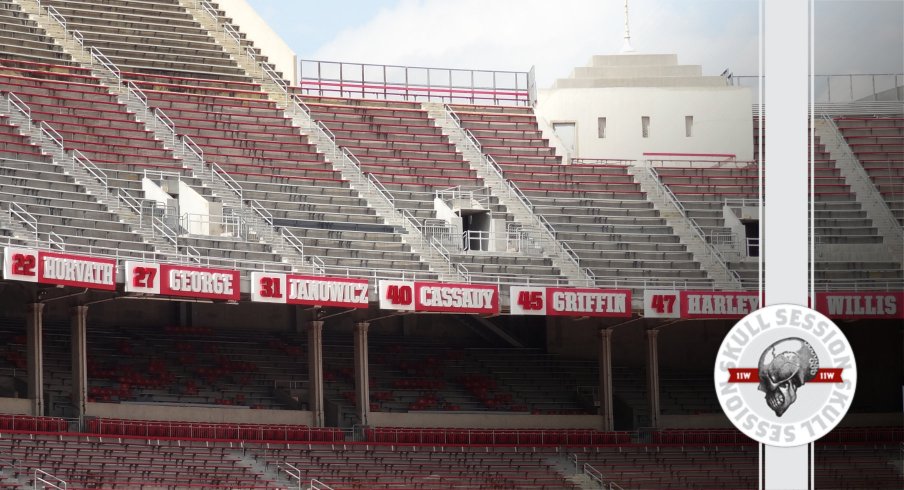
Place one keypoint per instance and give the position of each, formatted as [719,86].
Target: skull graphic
[784,367]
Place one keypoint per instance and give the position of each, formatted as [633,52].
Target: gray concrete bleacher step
[862,187]
[520,213]
[703,253]
[413,237]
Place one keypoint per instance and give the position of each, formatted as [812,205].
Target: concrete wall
[271,45]
[722,119]
[141,411]
[17,406]
[493,420]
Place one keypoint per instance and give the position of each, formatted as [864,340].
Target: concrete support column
[605,388]
[315,371]
[653,376]
[79,359]
[35,347]
[362,375]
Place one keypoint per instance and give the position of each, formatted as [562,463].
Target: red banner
[752,375]
[718,304]
[277,287]
[456,298]
[198,282]
[62,269]
[861,305]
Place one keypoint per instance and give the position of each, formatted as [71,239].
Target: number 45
[531,300]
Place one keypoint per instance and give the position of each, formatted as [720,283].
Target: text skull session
[189,281]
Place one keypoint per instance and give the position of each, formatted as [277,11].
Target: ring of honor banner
[44,267]
[272,287]
[577,302]
[481,299]
[182,281]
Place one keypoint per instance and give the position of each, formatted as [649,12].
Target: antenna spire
[626,47]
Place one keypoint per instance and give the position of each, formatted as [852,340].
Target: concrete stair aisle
[437,260]
[522,214]
[704,253]
[262,469]
[862,187]
[259,224]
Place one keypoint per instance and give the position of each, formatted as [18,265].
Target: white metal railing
[291,470]
[97,55]
[124,197]
[21,215]
[158,226]
[51,134]
[217,173]
[193,254]
[91,168]
[55,241]
[48,480]
[161,119]
[594,474]
[57,16]
[668,194]
[13,102]
[213,225]
[263,212]
[392,82]
[843,88]
[741,202]
[315,484]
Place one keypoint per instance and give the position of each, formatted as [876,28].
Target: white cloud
[516,34]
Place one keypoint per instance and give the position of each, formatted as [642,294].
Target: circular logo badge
[785,375]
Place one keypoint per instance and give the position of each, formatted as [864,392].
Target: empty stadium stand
[878,144]
[598,209]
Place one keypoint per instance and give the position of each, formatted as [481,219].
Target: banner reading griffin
[785,375]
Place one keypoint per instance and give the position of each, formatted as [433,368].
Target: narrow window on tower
[688,126]
[645,126]
[601,127]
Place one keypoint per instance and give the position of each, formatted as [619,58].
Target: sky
[851,36]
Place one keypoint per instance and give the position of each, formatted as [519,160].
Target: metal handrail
[190,145]
[594,474]
[57,16]
[293,240]
[55,241]
[266,215]
[291,470]
[48,480]
[51,133]
[228,181]
[194,254]
[160,117]
[714,252]
[315,484]
[14,102]
[105,62]
[158,225]
[19,212]
[90,167]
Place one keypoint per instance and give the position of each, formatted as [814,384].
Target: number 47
[662,303]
